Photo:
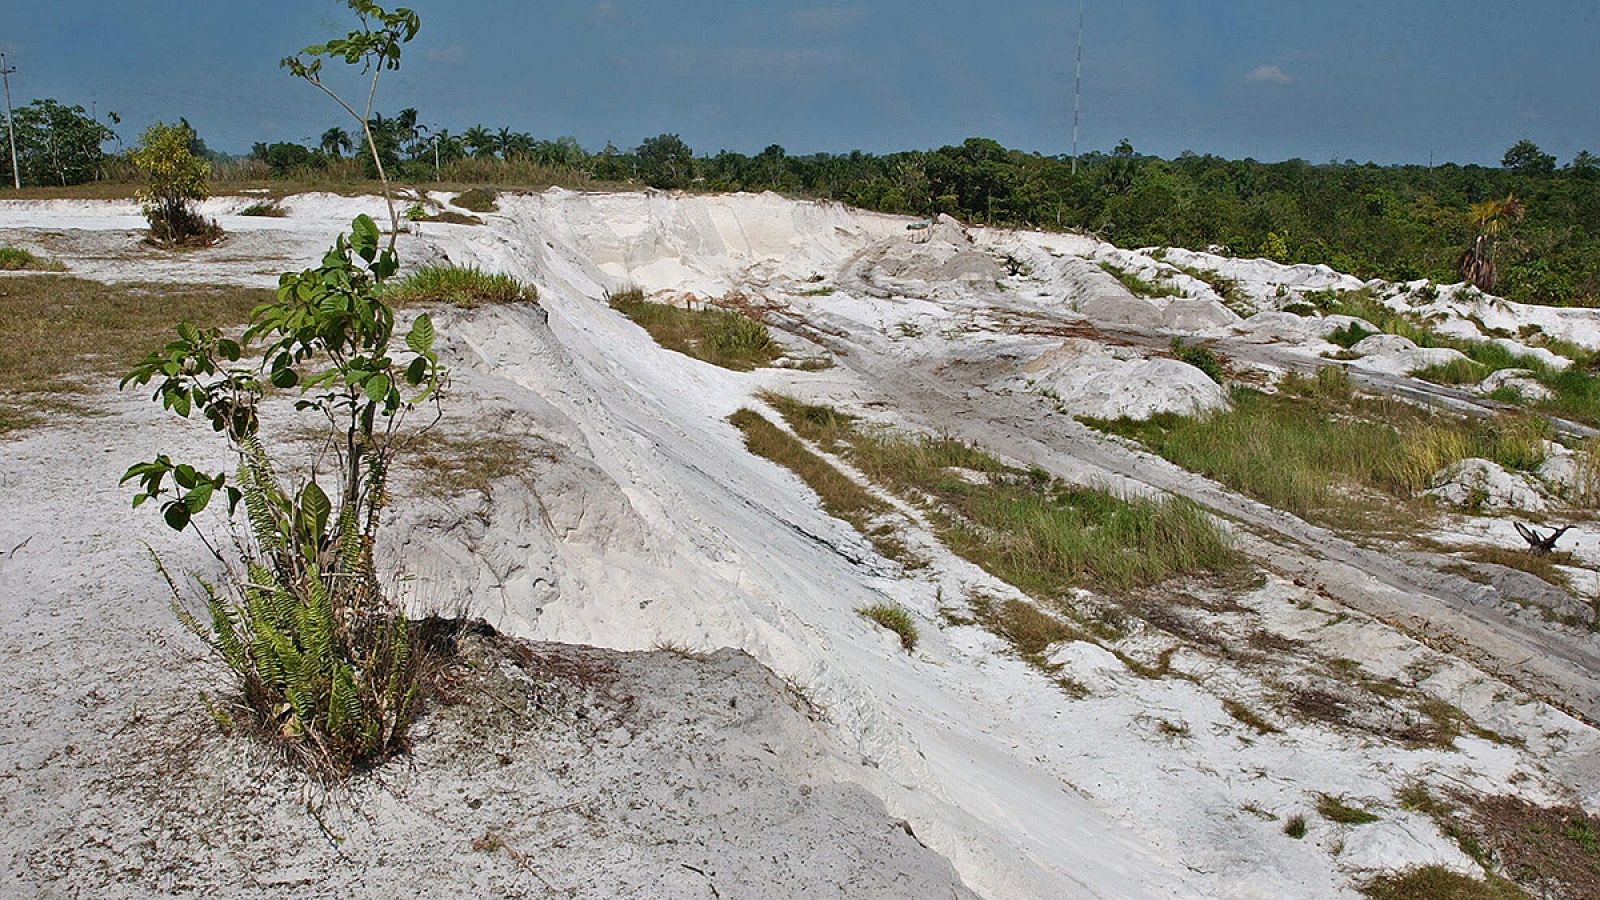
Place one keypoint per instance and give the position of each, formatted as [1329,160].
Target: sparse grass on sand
[1439,883]
[453,464]
[895,618]
[16,259]
[841,497]
[1139,286]
[63,335]
[717,336]
[1544,566]
[270,209]
[464,286]
[1321,451]
[1024,527]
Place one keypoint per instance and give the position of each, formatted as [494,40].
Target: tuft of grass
[1138,286]
[1248,717]
[464,286]
[1225,287]
[1316,446]
[1198,356]
[267,208]
[1440,883]
[894,617]
[1544,566]
[60,328]
[1295,827]
[478,200]
[717,336]
[16,259]
[841,497]
[1335,810]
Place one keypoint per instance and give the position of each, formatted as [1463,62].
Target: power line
[11,122]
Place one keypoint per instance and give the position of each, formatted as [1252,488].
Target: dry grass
[841,497]
[1540,565]
[478,200]
[66,336]
[717,336]
[454,464]
[1335,810]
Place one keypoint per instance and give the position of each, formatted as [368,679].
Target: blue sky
[1379,80]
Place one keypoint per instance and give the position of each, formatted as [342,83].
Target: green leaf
[285,378]
[417,372]
[177,515]
[364,237]
[420,338]
[316,508]
[377,387]
[197,499]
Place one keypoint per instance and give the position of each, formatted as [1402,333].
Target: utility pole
[11,122]
[1077,90]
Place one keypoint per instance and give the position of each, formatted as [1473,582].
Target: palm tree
[336,142]
[479,141]
[1489,218]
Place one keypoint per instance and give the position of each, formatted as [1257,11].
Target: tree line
[1528,229]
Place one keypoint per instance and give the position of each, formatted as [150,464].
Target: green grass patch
[1335,810]
[1039,534]
[16,259]
[464,286]
[1295,827]
[717,336]
[1314,448]
[1139,286]
[894,617]
[1198,356]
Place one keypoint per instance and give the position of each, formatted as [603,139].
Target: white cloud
[448,55]
[1269,75]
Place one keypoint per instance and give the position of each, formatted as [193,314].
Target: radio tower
[1077,91]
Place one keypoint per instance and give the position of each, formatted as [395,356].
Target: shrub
[175,182]
[478,200]
[1350,335]
[465,286]
[894,617]
[1200,357]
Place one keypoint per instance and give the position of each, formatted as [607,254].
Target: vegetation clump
[1199,356]
[16,259]
[1440,883]
[478,200]
[1335,810]
[464,286]
[718,336]
[894,617]
[270,209]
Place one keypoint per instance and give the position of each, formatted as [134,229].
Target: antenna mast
[11,122]
[1077,91]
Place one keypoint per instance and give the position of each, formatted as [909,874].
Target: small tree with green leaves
[175,182]
[325,661]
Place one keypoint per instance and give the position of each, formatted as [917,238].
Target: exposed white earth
[645,522]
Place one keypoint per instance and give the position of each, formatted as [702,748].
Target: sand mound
[1095,380]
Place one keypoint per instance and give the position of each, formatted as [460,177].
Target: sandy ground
[645,521]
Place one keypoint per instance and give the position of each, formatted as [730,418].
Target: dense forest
[1396,222]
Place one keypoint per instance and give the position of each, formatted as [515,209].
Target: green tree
[1525,158]
[336,142]
[665,161]
[57,144]
[175,183]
